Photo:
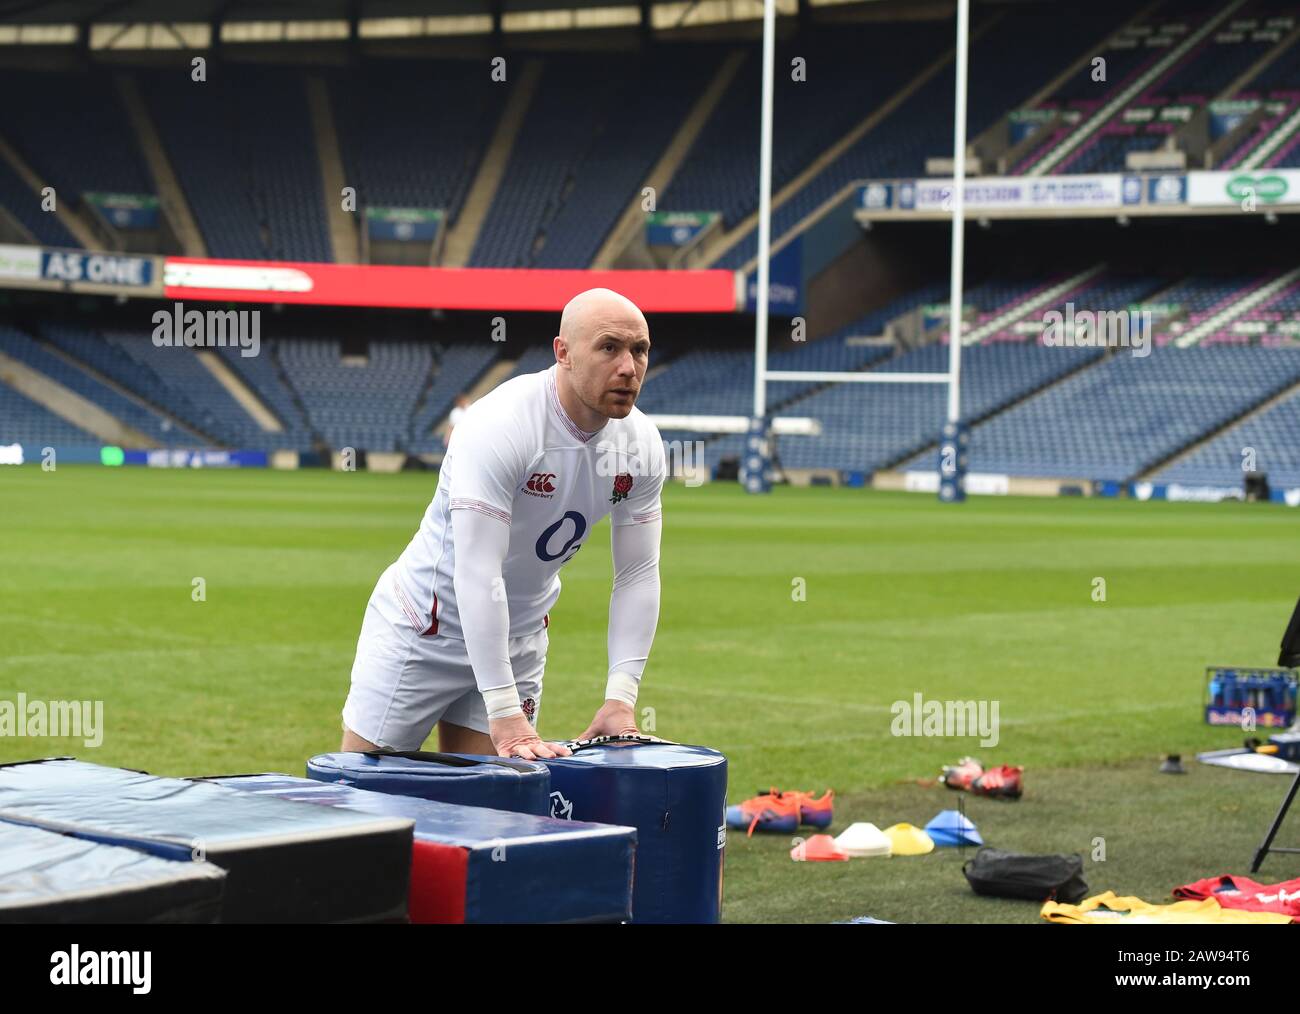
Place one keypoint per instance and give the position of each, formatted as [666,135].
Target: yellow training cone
[907,840]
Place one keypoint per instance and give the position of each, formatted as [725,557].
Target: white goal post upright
[953,430]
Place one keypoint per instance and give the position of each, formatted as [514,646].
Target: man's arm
[633,617]
[482,542]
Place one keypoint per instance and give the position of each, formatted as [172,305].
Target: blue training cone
[950,828]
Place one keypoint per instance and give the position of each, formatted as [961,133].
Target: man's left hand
[613,719]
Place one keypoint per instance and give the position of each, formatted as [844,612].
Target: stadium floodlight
[952,377]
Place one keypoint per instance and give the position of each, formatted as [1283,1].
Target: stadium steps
[1259,66]
[715,249]
[13,230]
[1010,156]
[1186,452]
[68,218]
[125,392]
[1089,130]
[1238,308]
[243,394]
[68,405]
[1273,143]
[1038,302]
[462,236]
[342,225]
[661,175]
[171,197]
[495,375]
[496,372]
[1229,146]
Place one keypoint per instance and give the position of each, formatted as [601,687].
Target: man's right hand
[515,737]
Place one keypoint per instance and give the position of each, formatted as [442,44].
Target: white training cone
[863,840]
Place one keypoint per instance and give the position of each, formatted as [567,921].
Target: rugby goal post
[756,462]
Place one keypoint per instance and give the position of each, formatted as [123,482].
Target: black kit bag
[1000,874]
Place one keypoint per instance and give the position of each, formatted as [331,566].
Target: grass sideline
[992,600]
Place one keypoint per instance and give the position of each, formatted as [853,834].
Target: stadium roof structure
[73,17]
[125,29]
[82,12]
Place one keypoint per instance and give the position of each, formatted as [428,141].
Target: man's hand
[515,737]
[613,719]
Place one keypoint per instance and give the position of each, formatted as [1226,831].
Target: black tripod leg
[1262,851]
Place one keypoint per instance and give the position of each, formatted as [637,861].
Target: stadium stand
[22,347]
[1279,85]
[72,130]
[870,427]
[457,369]
[360,402]
[849,70]
[135,373]
[262,375]
[1270,434]
[1127,414]
[1006,67]
[412,133]
[24,206]
[23,421]
[1148,120]
[243,148]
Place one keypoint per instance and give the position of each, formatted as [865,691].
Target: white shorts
[405,682]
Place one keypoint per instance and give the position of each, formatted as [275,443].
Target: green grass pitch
[991,600]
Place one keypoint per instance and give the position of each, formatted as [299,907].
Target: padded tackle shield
[471,864]
[498,782]
[675,796]
[56,879]
[284,861]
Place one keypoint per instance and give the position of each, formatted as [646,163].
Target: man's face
[608,362]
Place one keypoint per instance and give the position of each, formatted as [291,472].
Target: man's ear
[561,348]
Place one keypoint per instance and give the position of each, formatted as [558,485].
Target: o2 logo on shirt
[556,532]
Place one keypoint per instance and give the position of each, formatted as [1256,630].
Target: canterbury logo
[541,482]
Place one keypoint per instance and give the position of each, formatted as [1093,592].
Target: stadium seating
[1127,414]
[867,427]
[22,347]
[1272,437]
[243,148]
[72,129]
[457,368]
[1007,64]
[1279,82]
[261,373]
[135,373]
[411,134]
[23,421]
[848,69]
[656,94]
[24,206]
[364,404]
[1198,77]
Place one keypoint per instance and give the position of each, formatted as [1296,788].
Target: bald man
[455,633]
